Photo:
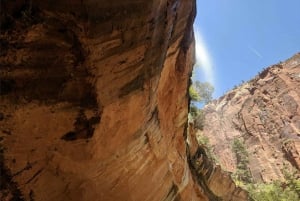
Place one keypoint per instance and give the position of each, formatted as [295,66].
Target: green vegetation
[204,141]
[198,117]
[289,190]
[200,92]
[292,180]
[274,191]
[194,110]
[242,173]
[193,94]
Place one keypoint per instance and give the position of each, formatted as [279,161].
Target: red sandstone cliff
[265,113]
[94,102]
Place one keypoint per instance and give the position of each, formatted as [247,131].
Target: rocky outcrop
[265,113]
[216,183]
[94,100]
[94,103]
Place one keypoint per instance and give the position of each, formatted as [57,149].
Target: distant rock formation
[265,113]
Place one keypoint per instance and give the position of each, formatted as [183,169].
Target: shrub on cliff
[242,173]
[200,93]
[197,116]
[289,190]
[275,191]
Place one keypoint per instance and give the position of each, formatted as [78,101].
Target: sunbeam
[203,59]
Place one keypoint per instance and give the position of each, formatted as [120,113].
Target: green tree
[242,173]
[271,192]
[193,94]
[199,119]
[194,110]
[201,92]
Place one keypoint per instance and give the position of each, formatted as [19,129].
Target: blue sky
[236,39]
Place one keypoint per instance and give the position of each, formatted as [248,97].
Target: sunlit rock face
[94,100]
[265,113]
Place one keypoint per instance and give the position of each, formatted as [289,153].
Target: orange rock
[264,112]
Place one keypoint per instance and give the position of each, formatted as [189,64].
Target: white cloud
[203,59]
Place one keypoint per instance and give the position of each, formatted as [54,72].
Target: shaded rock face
[265,113]
[94,100]
[216,183]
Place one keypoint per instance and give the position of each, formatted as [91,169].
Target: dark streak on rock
[172,194]
[146,140]
[133,85]
[7,132]
[197,175]
[31,195]
[84,128]
[27,167]
[34,176]
[1,116]
[189,33]
[180,61]
[154,114]
[8,187]
[6,86]
[69,136]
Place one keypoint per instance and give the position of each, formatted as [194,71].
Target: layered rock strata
[265,114]
[217,184]
[94,101]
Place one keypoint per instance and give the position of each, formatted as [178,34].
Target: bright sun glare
[203,59]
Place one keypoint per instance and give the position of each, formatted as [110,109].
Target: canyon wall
[265,114]
[216,183]
[94,103]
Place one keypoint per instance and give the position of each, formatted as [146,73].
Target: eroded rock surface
[216,183]
[94,100]
[94,103]
[265,113]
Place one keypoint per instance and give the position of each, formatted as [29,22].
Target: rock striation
[94,103]
[265,113]
[216,183]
